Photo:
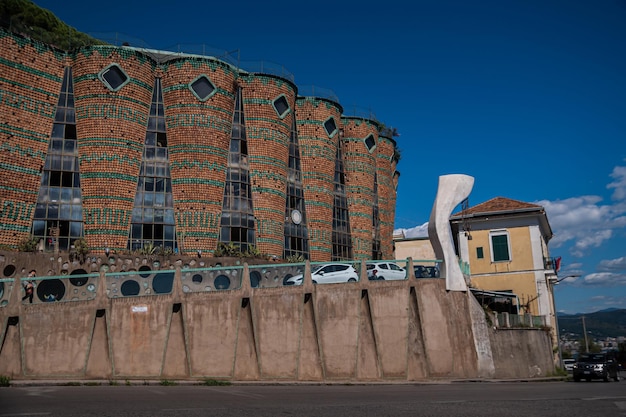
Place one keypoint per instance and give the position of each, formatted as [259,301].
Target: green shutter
[500,248]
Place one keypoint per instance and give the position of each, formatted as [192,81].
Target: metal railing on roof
[314,91]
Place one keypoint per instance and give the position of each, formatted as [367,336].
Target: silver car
[327,274]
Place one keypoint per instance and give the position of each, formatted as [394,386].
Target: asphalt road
[468,399]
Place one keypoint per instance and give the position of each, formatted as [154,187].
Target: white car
[385,271]
[569,364]
[327,274]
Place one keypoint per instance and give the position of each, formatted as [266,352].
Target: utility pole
[585,331]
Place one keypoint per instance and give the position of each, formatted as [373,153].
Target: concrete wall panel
[246,360]
[139,328]
[55,339]
[337,312]
[310,361]
[417,367]
[368,362]
[99,362]
[390,317]
[175,364]
[211,327]
[10,352]
[277,318]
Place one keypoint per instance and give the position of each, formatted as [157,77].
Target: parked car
[422,271]
[385,271]
[595,366]
[568,364]
[327,274]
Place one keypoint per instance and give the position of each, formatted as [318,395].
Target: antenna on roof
[466,225]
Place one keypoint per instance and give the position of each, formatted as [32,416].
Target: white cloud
[605,279]
[585,221]
[619,175]
[612,265]
[417,231]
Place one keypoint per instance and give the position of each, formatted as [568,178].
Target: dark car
[596,366]
[422,271]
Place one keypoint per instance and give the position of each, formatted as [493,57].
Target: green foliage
[113,383]
[5,381]
[80,250]
[214,382]
[252,252]
[28,244]
[93,384]
[296,259]
[26,18]
[148,248]
[167,382]
[227,249]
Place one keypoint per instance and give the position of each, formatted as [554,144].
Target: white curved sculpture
[453,189]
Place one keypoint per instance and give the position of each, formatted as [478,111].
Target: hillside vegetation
[26,18]
[600,324]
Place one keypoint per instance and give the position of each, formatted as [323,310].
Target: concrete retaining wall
[364,331]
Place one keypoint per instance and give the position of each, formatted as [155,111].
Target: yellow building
[505,243]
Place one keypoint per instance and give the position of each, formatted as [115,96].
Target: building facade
[505,243]
[128,148]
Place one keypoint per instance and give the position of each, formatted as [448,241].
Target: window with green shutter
[500,247]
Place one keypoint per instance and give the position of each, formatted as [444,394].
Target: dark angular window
[113,77]
[237,221]
[153,212]
[330,126]
[202,88]
[59,212]
[281,106]
[370,142]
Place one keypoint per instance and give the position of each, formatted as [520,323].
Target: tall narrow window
[296,233]
[237,222]
[376,249]
[342,241]
[59,210]
[500,250]
[153,213]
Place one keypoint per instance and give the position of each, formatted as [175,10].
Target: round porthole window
[222,282]
[130,288]
[50,290]
[78,281]
[8,270]
[144,268]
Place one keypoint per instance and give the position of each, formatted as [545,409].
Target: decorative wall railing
[136,277]
[506,320]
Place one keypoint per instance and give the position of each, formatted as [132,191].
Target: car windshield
[592,358]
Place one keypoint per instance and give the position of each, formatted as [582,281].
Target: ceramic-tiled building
[128,147]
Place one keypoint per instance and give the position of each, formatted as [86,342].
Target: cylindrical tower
[198,94]
[32,74]
[319,124]
[360,137]
[112,91]
[385,169]
[268,103]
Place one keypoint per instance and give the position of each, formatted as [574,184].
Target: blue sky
[526,96]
